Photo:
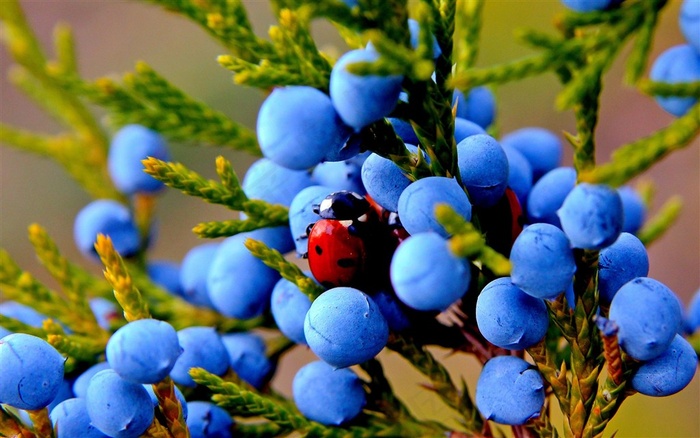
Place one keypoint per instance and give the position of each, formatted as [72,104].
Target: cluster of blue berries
[374,244]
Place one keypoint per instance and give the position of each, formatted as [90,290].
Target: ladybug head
[342,205]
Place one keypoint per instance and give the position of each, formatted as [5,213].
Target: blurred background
[112,35]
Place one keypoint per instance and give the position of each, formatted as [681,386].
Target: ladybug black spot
[347,263]
[318,250]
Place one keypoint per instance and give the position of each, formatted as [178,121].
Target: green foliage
[573,356]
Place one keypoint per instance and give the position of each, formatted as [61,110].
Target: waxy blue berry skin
[509,391]
[633,208]
[81,383]
[465,128]
[483,166]
[345,327]
[105,311]
[591,216]
[143,351]
[648,315]
[396,313]
[31,370]
[479,106]
[105,216]
[361,100]
[130,145]
[70,419]
[692,314]
[289,306]
[417,203]
[117,407]
[543,262]
[4,332]
[675,65]
[165,274]
[542,148]
[669,372]
[340,175]
[426,275]
[298,126]
[273,183]
[201,347]
[329,396]
[247,354]
[239,283]
[404,130]
[207,420]
[589,5]
[193,273]
[22,313]
[384,181]
[689,22]
[623,261]
[301,214]
[508,317]
[519,175]
[548,194]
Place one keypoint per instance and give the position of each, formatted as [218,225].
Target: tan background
[112,35]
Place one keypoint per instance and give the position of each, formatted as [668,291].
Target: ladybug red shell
[337,254]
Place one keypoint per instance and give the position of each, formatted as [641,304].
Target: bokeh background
[111,35]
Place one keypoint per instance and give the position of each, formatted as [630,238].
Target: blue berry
[201,347]
[31,370]
[508,317]
[541,147]
[130,145]
[361,100]
[301,214]
[426,275]
[404,130]
[70,419]
[465,128]
[384,181]
[634,209]
[4,332]
[81,383]
[340,175]
[330,396]
[591,216]
[689,22]
[297,127]
[543,262]
[509,391]
[345,327]
[692,314]
[519,175]
[414,29]
[193,273]
[417,203]
[239,283]
[479,106]
[207,420]
[22,313]
[624,260]
[105,216]
[273,183]
[678,64]
[397,315]
[669,372]
[289,306]
[65,391]
[548,194]
[247,354]
[117,407]
[165,274]
[648,315]
[143,351]
[483,167]
[590,5]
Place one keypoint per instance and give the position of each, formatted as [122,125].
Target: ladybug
[502,223]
